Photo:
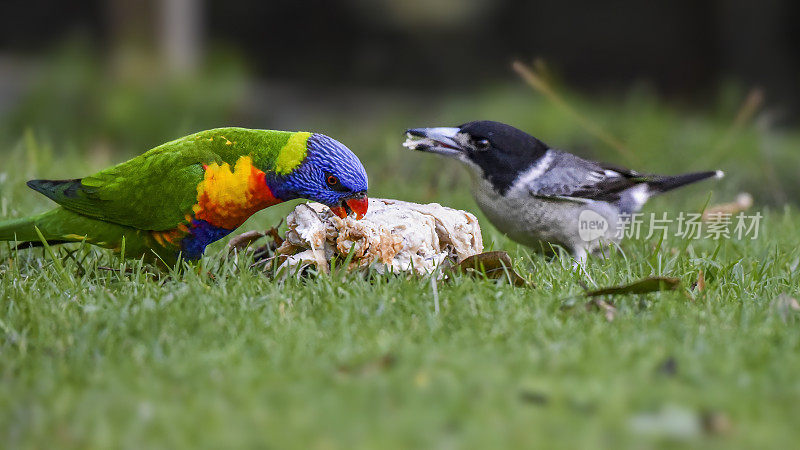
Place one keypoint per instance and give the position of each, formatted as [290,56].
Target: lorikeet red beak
[357,204]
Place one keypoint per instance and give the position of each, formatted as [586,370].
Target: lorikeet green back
[180,196]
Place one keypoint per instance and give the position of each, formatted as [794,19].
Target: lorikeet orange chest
[179,197]
[226,197]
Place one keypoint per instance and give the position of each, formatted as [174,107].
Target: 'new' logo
[591,225]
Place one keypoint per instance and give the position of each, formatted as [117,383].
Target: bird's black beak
[439,140]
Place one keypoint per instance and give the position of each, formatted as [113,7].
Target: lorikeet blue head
[330,174]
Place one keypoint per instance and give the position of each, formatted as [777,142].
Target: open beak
[439,140]
[357,203]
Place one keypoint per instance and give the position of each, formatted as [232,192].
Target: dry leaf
[714,213]
[534,397]
[242,241]
[643,286]
[609,309]
[716,423]
[273,233]
[493,265]
[383,363]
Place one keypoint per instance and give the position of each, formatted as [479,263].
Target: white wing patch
[640,195]
[595,177]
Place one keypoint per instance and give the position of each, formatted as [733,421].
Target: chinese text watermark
[715,226]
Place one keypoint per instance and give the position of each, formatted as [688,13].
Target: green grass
[92,358]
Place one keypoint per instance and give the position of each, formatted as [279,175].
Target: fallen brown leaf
[716,423]
[534,397]
[643,286]
[714,213]
[493,265]
[242,241]
[383,363]
[273,233]
[608,308]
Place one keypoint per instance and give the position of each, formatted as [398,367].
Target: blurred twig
[770,173]
[543,87]
[750,106]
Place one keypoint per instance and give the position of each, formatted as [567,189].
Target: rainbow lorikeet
[177,198]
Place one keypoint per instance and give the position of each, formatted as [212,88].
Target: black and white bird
[543,197]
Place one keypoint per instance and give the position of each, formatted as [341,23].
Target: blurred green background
[661,86]
[672,82]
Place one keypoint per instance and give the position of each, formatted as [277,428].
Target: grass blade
[56,262]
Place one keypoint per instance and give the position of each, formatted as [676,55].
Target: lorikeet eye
[334,183]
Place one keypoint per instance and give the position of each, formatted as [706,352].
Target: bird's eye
[334,183]
[482,144]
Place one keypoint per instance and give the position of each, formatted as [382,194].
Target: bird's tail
[60,226]
[632,199]
[24,230]
[670,182]
[20,230]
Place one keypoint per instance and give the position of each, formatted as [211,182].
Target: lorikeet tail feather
[20,230]
[61,226]
[58,226]
[56,189]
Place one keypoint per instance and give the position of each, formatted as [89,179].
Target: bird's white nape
[523,181]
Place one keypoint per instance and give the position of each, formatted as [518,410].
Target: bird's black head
[498,152]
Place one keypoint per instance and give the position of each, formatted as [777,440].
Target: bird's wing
[153,191]
[571,178]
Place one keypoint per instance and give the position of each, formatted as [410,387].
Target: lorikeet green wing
[153,192]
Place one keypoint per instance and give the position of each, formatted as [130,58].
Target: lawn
[220,355]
